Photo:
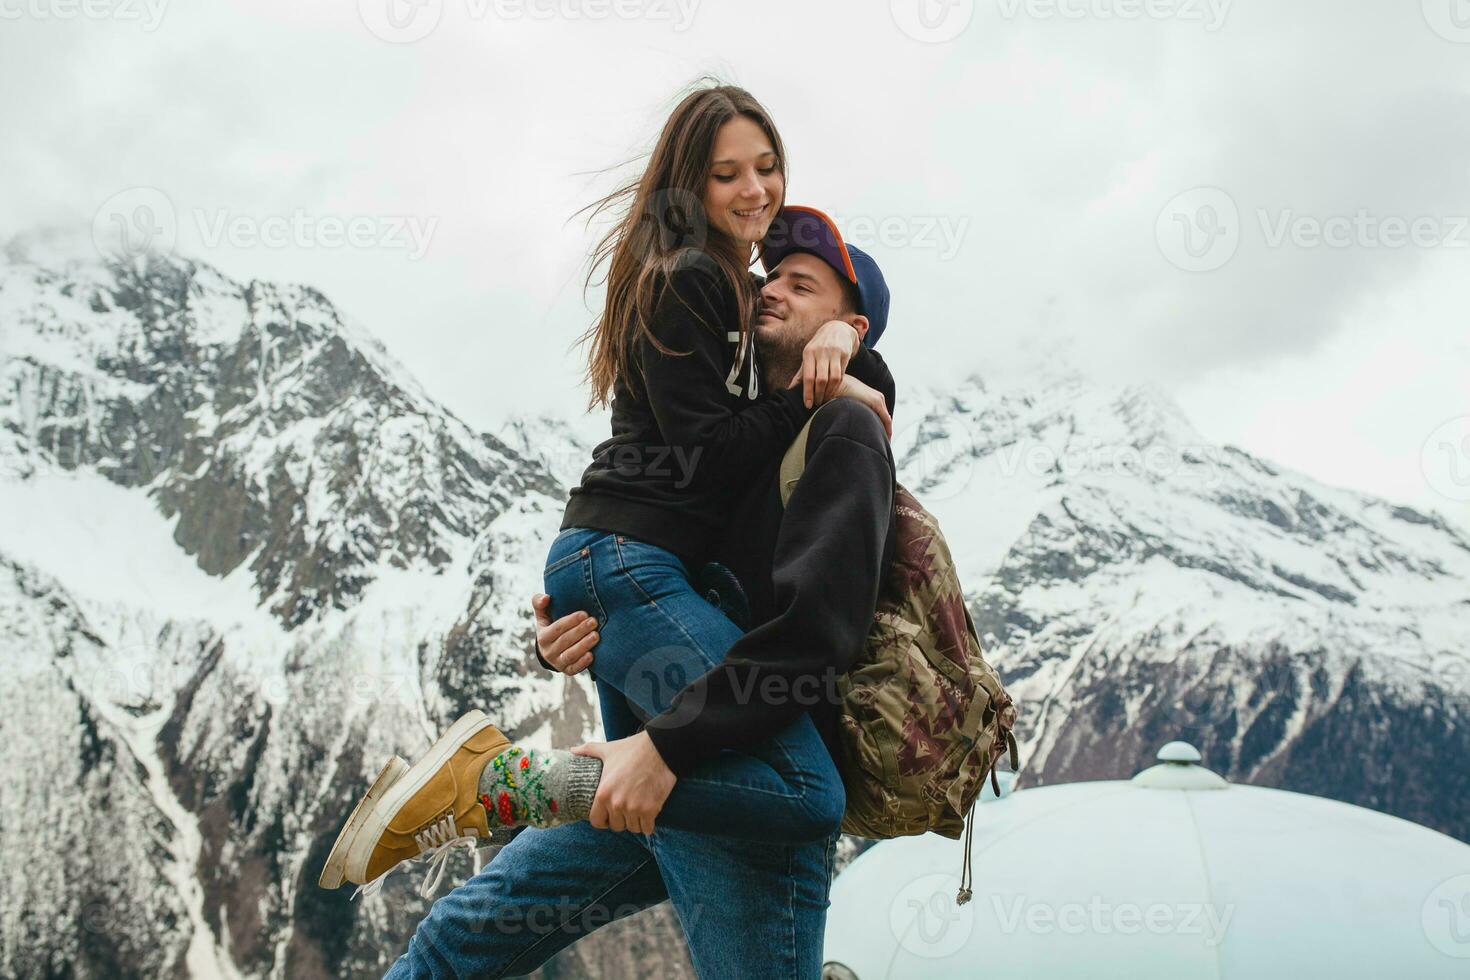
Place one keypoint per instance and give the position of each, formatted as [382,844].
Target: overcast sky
[1259,205]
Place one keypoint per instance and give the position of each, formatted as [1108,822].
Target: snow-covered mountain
[1137,584]
[244,557]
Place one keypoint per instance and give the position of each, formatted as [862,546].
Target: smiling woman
[746,185]
[714,182]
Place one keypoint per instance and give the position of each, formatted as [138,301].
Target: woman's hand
[567,643]
[853,388]
[824,361]
[635,783]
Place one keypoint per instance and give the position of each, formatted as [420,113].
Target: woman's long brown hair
[661,226]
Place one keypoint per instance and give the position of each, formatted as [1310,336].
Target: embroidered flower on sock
[506,812]
[522,786]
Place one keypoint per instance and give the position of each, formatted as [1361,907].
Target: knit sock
[501,835]
[539,787]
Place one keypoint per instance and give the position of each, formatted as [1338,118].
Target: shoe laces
[436,842]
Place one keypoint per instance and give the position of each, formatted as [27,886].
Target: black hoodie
[811,574]
[693,434]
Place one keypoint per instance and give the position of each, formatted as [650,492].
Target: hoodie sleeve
[868,366]
[840,518]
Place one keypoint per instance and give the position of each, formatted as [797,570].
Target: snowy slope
[1135,584]
[243,558]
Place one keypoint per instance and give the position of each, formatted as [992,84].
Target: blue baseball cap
[802,229]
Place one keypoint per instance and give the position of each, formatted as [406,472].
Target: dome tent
[1173,874]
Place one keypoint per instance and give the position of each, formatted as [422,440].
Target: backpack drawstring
[1005,719]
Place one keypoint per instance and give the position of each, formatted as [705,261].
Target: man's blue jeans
[656,635]
[752,908]
[749,911]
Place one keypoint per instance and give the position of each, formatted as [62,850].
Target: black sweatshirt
[691,436]
[811,575]
[725,504]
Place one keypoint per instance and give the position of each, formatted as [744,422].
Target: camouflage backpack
[923,718]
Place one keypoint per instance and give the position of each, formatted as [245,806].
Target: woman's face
[744,189]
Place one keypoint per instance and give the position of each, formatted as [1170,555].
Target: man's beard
[780,356]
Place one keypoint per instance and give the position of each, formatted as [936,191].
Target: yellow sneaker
[432,807]
[333,870]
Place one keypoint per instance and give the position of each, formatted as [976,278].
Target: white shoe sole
[336,866]
[360,848]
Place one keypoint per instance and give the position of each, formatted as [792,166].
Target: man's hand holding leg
[635,783]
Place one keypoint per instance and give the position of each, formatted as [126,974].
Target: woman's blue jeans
[657,635]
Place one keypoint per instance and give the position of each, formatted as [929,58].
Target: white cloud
[1046,145]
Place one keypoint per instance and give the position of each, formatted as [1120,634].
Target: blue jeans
[656,635]
[748,911]
[751,909]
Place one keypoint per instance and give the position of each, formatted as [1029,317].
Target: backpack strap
[793,464]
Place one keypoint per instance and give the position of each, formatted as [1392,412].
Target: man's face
[801,294]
